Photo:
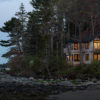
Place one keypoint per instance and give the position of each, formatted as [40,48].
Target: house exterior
[83,52]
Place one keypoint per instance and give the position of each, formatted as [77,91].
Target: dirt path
[92,93]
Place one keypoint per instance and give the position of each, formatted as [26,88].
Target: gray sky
[7,10]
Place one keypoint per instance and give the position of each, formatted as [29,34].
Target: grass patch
[76,82]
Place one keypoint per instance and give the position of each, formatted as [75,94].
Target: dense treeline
[37,38]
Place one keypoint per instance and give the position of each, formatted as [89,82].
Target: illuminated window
[96,57]
[75,46]
[96,44]
[68,58]
[87,57]
[76,57]
[86,45]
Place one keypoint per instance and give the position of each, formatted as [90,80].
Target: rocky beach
[21,88]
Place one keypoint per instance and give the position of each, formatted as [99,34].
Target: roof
[82,40]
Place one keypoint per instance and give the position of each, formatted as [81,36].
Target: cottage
[83,51]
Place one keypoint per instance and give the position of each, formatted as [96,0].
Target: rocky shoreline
[17,91]
[20,88]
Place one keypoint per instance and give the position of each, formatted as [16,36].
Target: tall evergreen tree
[15,28]
[12,27]
[22,16]
[38,26]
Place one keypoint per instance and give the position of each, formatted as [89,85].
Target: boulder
[31,78]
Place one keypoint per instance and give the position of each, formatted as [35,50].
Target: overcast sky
[7,10]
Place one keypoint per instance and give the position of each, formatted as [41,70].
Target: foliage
[85,71]
[37,38]
[57,65]
[34,63]
[15,29]
[58,68]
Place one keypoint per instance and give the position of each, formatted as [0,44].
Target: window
[77,57]
[87,57]
[68,58]
[96,56]
[86,45]
[96,44]
[75,46]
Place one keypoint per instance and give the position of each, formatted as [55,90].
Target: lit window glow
[68,58]
[77,57]
[96,56]
[75,46]
[96,44]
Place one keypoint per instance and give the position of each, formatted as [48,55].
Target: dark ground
[17,91]
[13,91]
[91,93]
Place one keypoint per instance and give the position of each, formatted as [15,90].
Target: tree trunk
[92,22]
[80,44]
[51,43]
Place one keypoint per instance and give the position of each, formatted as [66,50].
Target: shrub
[16,64]
[85,71]
[56,67]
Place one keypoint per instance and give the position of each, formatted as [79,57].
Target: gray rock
[94,80]
[65,83]
[88,83]
[78,80]
[45,83]
[31,78]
